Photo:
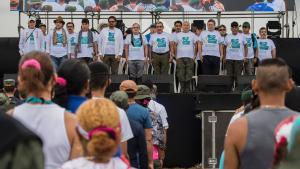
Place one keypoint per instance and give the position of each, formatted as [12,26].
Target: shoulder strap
[30,35]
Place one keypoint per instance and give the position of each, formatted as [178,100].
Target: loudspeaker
[215,83]
[214,127]
[116,80]
[218,101]
[164,83]
[244,82]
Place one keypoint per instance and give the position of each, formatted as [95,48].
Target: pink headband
[61,81]
[88,135]
[32,63]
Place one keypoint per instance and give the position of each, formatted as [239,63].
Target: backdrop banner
[152,5]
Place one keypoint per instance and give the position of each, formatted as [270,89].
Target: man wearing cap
[211,49]
[72,39]
[99,81]
[252,49]
[86,44]
[31,38]
[139,114]
[57,43]
[9,89]
[236,51]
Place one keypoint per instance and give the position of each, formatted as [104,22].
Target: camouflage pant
[185,67]
[160,63]
[249,69]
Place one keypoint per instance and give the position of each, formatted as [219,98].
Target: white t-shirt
[126,132]
[235,46]
[58,50]
[265,47]
[59,7]
[211,41]
[72,41]
[278,5]
[86,49]
[161,110]
[136,51]
[185,44]
[249,41]
[84,163]
[160,42]
[111,41]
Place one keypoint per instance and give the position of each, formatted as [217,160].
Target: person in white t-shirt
[186,44]
[236,51]
[98,83]
[249,69]
[72,39]
[86,44]
[161,44]
[31,38]
[111,45]
[61,6]
[266,47]
[57,43]
[136,53]
[43,28]
[100,134]
[211,49]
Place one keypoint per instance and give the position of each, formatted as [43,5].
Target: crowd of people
[211,48]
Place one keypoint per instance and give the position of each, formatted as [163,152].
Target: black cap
[234,24]
[85,20]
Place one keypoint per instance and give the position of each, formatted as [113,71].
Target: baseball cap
[120,98]
[234,24]
[31,19]
[143,92]
[9,82]
[246,24]
[128,86]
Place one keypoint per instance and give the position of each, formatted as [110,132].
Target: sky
[10,19]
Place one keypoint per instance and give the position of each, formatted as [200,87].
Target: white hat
[31,19]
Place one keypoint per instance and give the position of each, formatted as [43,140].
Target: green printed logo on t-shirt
[137,42]
[60,38]
[212,39]
[72,41]
[263,46]
[186,41]
[111,36]
[249,42]
[84,40]
[31,38]
[235,43]
[161,42]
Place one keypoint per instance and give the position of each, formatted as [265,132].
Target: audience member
[250,140]
[9,89]
[111,45]
[37,79]
[136,53]
[75,76]
[139,114]
[100,134]
[161,45]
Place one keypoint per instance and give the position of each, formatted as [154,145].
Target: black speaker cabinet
[116,80]
[164,83]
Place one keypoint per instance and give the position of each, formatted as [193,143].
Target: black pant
[211,65]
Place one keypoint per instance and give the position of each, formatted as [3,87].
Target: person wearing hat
[251,40]
[139,114]
[57,43]
[31,38]
[86,45]
[9,89]
[236,52]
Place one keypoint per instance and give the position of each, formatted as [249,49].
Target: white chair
[121,66]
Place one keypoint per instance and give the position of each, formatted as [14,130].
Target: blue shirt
[139,114]
[260,7]
[148,36]
[74,102]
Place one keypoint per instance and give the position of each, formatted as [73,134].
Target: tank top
[47,121]
[260,143]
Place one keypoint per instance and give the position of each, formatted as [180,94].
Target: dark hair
[85,20]
[176,22]
[131,94]
[33,80]
[211,20]
[222,26]
[112,17]
[77,74]
[262,28]
[99,75]
[71,24]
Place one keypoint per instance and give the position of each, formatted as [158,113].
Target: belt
[161,53]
